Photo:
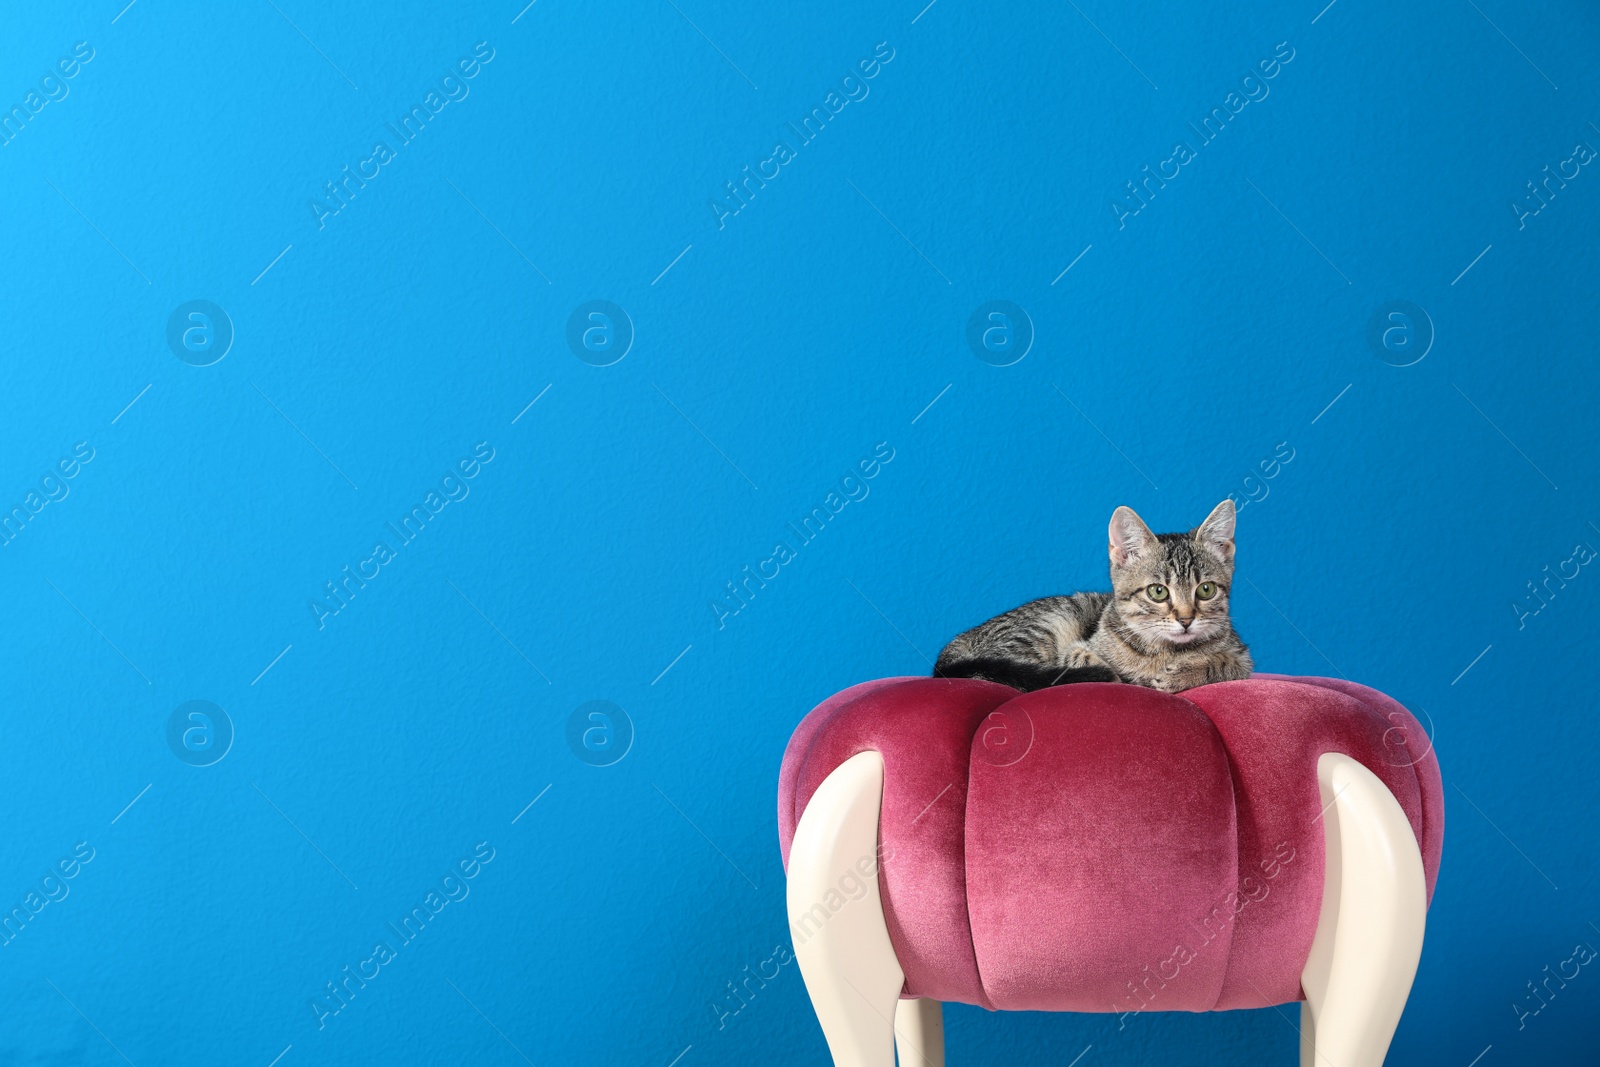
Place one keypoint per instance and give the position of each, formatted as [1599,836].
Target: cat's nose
[1185,622]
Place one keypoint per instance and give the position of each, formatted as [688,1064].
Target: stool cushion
[1104,847]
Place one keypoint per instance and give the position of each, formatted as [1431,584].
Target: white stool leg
[1369,935]
[841,939]
[1308,1035]
[919,1033]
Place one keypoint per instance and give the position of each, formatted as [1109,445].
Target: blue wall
[350,763]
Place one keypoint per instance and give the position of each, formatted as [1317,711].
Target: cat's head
[1172,589]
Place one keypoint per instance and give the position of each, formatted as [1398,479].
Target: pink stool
[1108,848]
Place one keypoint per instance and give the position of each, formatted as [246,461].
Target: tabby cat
[1164,624]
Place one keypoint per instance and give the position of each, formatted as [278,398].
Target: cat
[1164,625]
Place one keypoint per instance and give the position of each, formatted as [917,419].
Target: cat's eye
[1157,593]
[1206,590]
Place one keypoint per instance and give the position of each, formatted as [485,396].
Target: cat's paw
[1175,678]
[1082,656]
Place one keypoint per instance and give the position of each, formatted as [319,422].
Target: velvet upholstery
[1104,847]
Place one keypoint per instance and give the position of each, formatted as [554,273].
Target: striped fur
[1155,628]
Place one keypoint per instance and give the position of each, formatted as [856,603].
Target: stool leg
[1369,936]
[919,1033]
[841,939]
[1308,1036]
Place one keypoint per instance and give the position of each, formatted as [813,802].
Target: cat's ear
[1129,536]
[1216,532]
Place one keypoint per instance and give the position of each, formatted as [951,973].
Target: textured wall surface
[391,394]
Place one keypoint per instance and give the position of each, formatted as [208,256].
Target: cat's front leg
[1178,676]
[1234,665]
[1230,666]
[1175,680]
[1079,654]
